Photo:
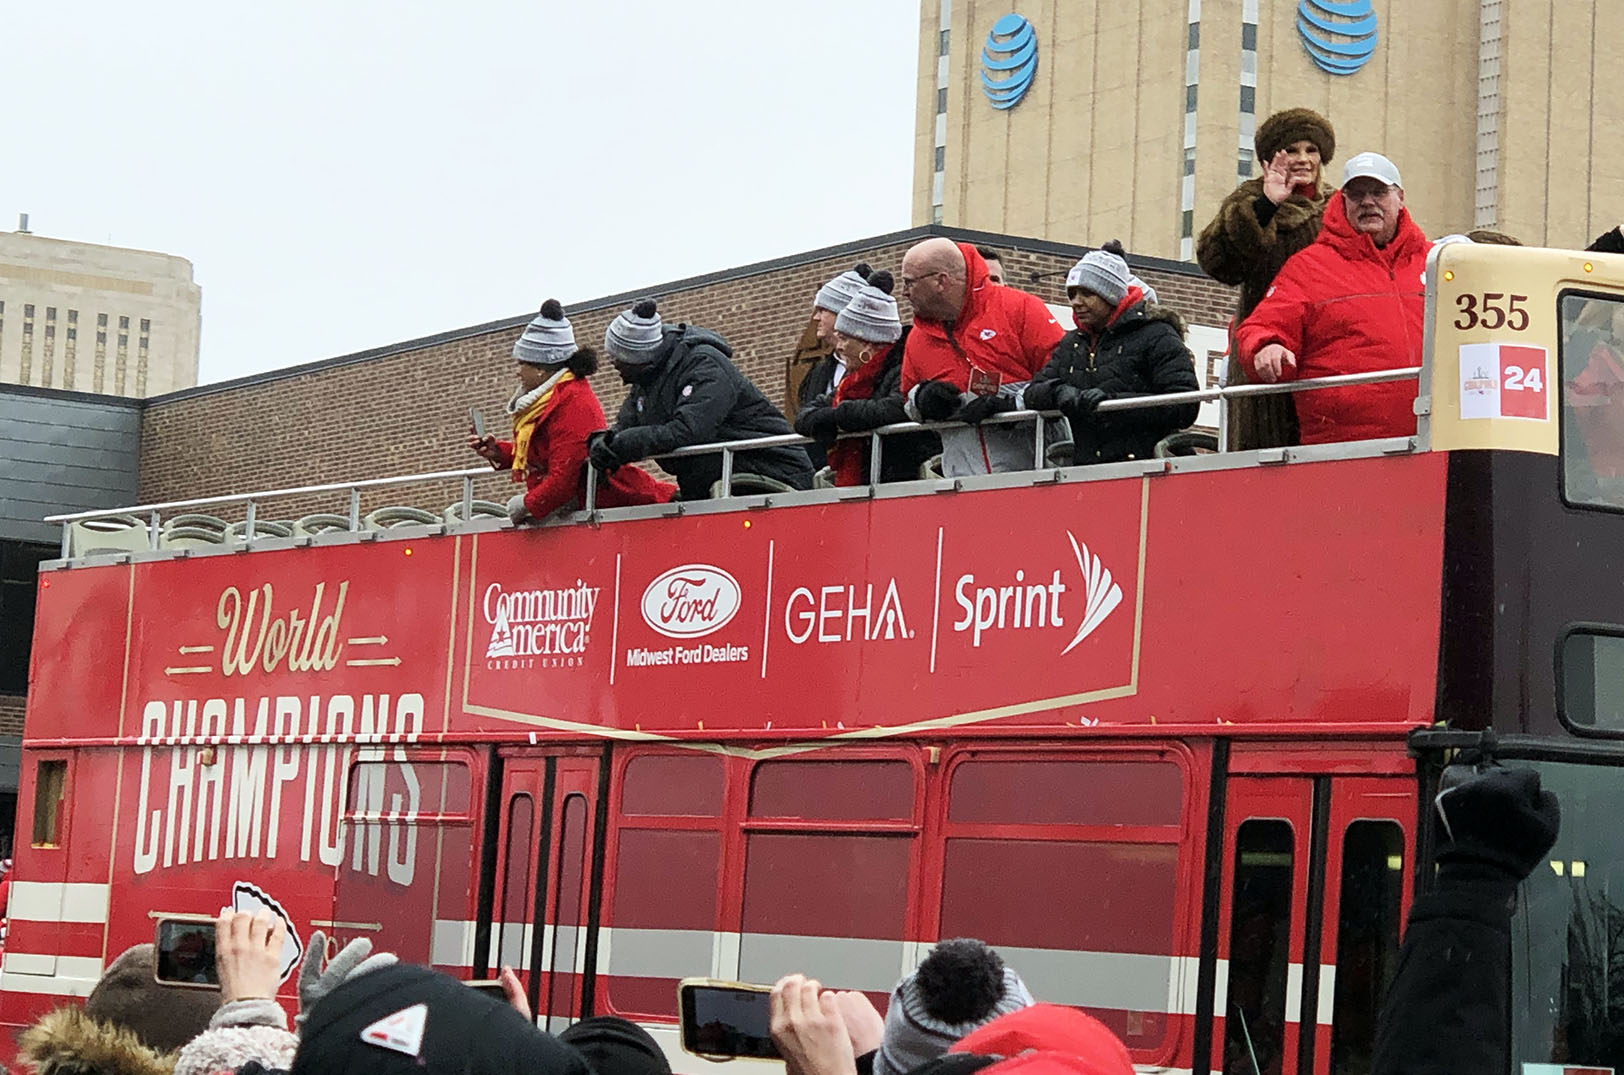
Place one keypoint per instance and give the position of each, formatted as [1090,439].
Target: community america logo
[551,626]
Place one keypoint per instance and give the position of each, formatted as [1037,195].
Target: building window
[941,100]
[99,371]
[941,157]
[25,370]
[48,366]
[122,359]
[942,48]
[124,323]
[50,789]
[141,359]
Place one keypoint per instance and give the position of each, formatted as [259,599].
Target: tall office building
[96,318]
[1082,120]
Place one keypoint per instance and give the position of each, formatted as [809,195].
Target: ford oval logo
[1009,61]
[1340,37]
[691,600]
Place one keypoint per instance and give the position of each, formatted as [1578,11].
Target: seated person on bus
[685,390]
[1351,302]
[554,411]
[1123,345]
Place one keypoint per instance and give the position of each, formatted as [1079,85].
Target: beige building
[96,318]
[1139,114]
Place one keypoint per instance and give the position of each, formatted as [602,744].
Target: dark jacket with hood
[1140,352]
[693,394]
[903,453]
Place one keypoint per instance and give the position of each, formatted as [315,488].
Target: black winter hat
[1294,125]
[616,1046]
[409,1020]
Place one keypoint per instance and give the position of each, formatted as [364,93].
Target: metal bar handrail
[303,490]
[730,448]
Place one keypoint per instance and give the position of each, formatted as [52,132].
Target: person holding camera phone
[555,413]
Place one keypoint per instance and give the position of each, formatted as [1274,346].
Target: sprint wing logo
[1101,595]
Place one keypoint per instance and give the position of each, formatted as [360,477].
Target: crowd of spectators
[962,1010]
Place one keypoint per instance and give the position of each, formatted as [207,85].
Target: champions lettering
[288,786]
[539,623]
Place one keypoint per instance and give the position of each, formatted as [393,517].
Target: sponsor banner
[1027,612]
[1504,380]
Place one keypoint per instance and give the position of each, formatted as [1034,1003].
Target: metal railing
[729,450]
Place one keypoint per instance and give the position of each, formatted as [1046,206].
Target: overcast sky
[344,175]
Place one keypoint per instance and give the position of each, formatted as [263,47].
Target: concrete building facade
[1137,117]
[91,318]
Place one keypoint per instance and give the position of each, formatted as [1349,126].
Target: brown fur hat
[1293,125]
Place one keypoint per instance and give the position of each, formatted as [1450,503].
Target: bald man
[973,347]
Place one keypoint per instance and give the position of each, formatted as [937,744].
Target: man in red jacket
[974,345]
[1352,302]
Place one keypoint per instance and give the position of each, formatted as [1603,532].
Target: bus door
[539,913]
[1316,876]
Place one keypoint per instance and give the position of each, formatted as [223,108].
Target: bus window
[1259,948]
[1592,679]
[832,902]
[1592,360]
[1095,843]
[50,791]
[1367,938]
[566,962]
[1567,931]
[511,948]
[666,853]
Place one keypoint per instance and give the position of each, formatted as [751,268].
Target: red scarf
[849,457]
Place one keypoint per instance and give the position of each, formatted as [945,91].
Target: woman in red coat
[554,411]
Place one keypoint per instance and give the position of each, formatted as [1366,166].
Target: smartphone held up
[185,952]
[726,1020]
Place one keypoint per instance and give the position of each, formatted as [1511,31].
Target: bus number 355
[1484,311]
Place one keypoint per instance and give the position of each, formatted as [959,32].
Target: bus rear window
[1593,682]
[1592,357]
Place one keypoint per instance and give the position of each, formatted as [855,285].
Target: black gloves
[817,423]
[936,401]
[601,453]
[1497,819]
[1078,403]
[981,408]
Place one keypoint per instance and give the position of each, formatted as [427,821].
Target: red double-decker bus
[1163,732]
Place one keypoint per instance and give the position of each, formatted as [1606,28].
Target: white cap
[1373,165]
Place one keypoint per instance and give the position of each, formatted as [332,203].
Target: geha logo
[1339,35]
[539,623]
[1037,605]
[691,601]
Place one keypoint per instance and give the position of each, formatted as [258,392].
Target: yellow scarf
[527,414]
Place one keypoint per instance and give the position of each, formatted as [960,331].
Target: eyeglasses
[909,281]
[1360,194]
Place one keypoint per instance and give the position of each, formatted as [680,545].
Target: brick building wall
[403,409]
[11,714]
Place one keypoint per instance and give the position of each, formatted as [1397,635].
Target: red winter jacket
[999,330]
[555,469]
[1343,306]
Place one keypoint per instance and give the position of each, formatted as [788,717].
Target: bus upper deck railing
[727,449]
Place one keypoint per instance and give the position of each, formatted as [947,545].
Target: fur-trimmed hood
[69,1042]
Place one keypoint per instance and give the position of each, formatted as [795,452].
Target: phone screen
[185,953]
[491,988]
[478,422]
[722,1020]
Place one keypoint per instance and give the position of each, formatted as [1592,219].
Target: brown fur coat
[1235,249]
[69,1042]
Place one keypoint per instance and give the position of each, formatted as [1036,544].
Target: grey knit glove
[315,982]
[517,511]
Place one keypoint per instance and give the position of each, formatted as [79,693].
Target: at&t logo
[1340,36]
[1009,61]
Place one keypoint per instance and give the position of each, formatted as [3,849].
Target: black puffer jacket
[693,394]
[818,384]
[903,453]
[1141,353]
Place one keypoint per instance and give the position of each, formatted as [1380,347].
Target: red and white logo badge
[1504,380]
[401,1032]
[691,601]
